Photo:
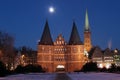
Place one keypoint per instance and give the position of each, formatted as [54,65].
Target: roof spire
[46,38]
[87,26]
[74,38]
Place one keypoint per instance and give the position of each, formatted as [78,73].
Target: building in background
[105,58]
[25,57]
[116,57]
[97,55]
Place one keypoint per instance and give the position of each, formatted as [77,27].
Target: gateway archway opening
[60,68]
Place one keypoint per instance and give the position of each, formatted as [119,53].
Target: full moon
[51,9]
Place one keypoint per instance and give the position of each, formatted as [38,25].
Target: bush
[89,67]
[19,69]
[28,69]
[103,69]
[3,71]
[32,68]
[118,68]
[113,68]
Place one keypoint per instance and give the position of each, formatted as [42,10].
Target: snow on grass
[73,76]
[32,76]
[94,76]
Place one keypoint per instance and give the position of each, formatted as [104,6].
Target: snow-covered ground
[94,76]
[73,76]
[34,76]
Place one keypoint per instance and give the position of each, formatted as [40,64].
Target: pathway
[62,76]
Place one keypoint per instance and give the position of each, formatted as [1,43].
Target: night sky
[25,20]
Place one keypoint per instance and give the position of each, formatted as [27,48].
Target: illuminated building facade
[61,55]
[104,58]
[116,57]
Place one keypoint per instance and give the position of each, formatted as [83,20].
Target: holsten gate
[61,55]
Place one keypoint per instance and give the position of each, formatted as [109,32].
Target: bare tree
[7,49]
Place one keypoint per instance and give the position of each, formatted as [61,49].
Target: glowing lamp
[100,65]
[108,65]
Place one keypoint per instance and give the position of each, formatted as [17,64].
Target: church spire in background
[87,34]
[87,26]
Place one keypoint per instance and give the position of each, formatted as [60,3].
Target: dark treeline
[10,57]
[30,68]
[92,67]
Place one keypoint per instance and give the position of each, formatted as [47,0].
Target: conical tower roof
[74,38]
[87,26]
[46,38]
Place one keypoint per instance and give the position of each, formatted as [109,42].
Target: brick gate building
[61,55]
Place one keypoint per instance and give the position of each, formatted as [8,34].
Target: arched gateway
[60,68]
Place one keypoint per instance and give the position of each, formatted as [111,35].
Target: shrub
[88,67]
[3,71]
[28,69]
[19,69]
